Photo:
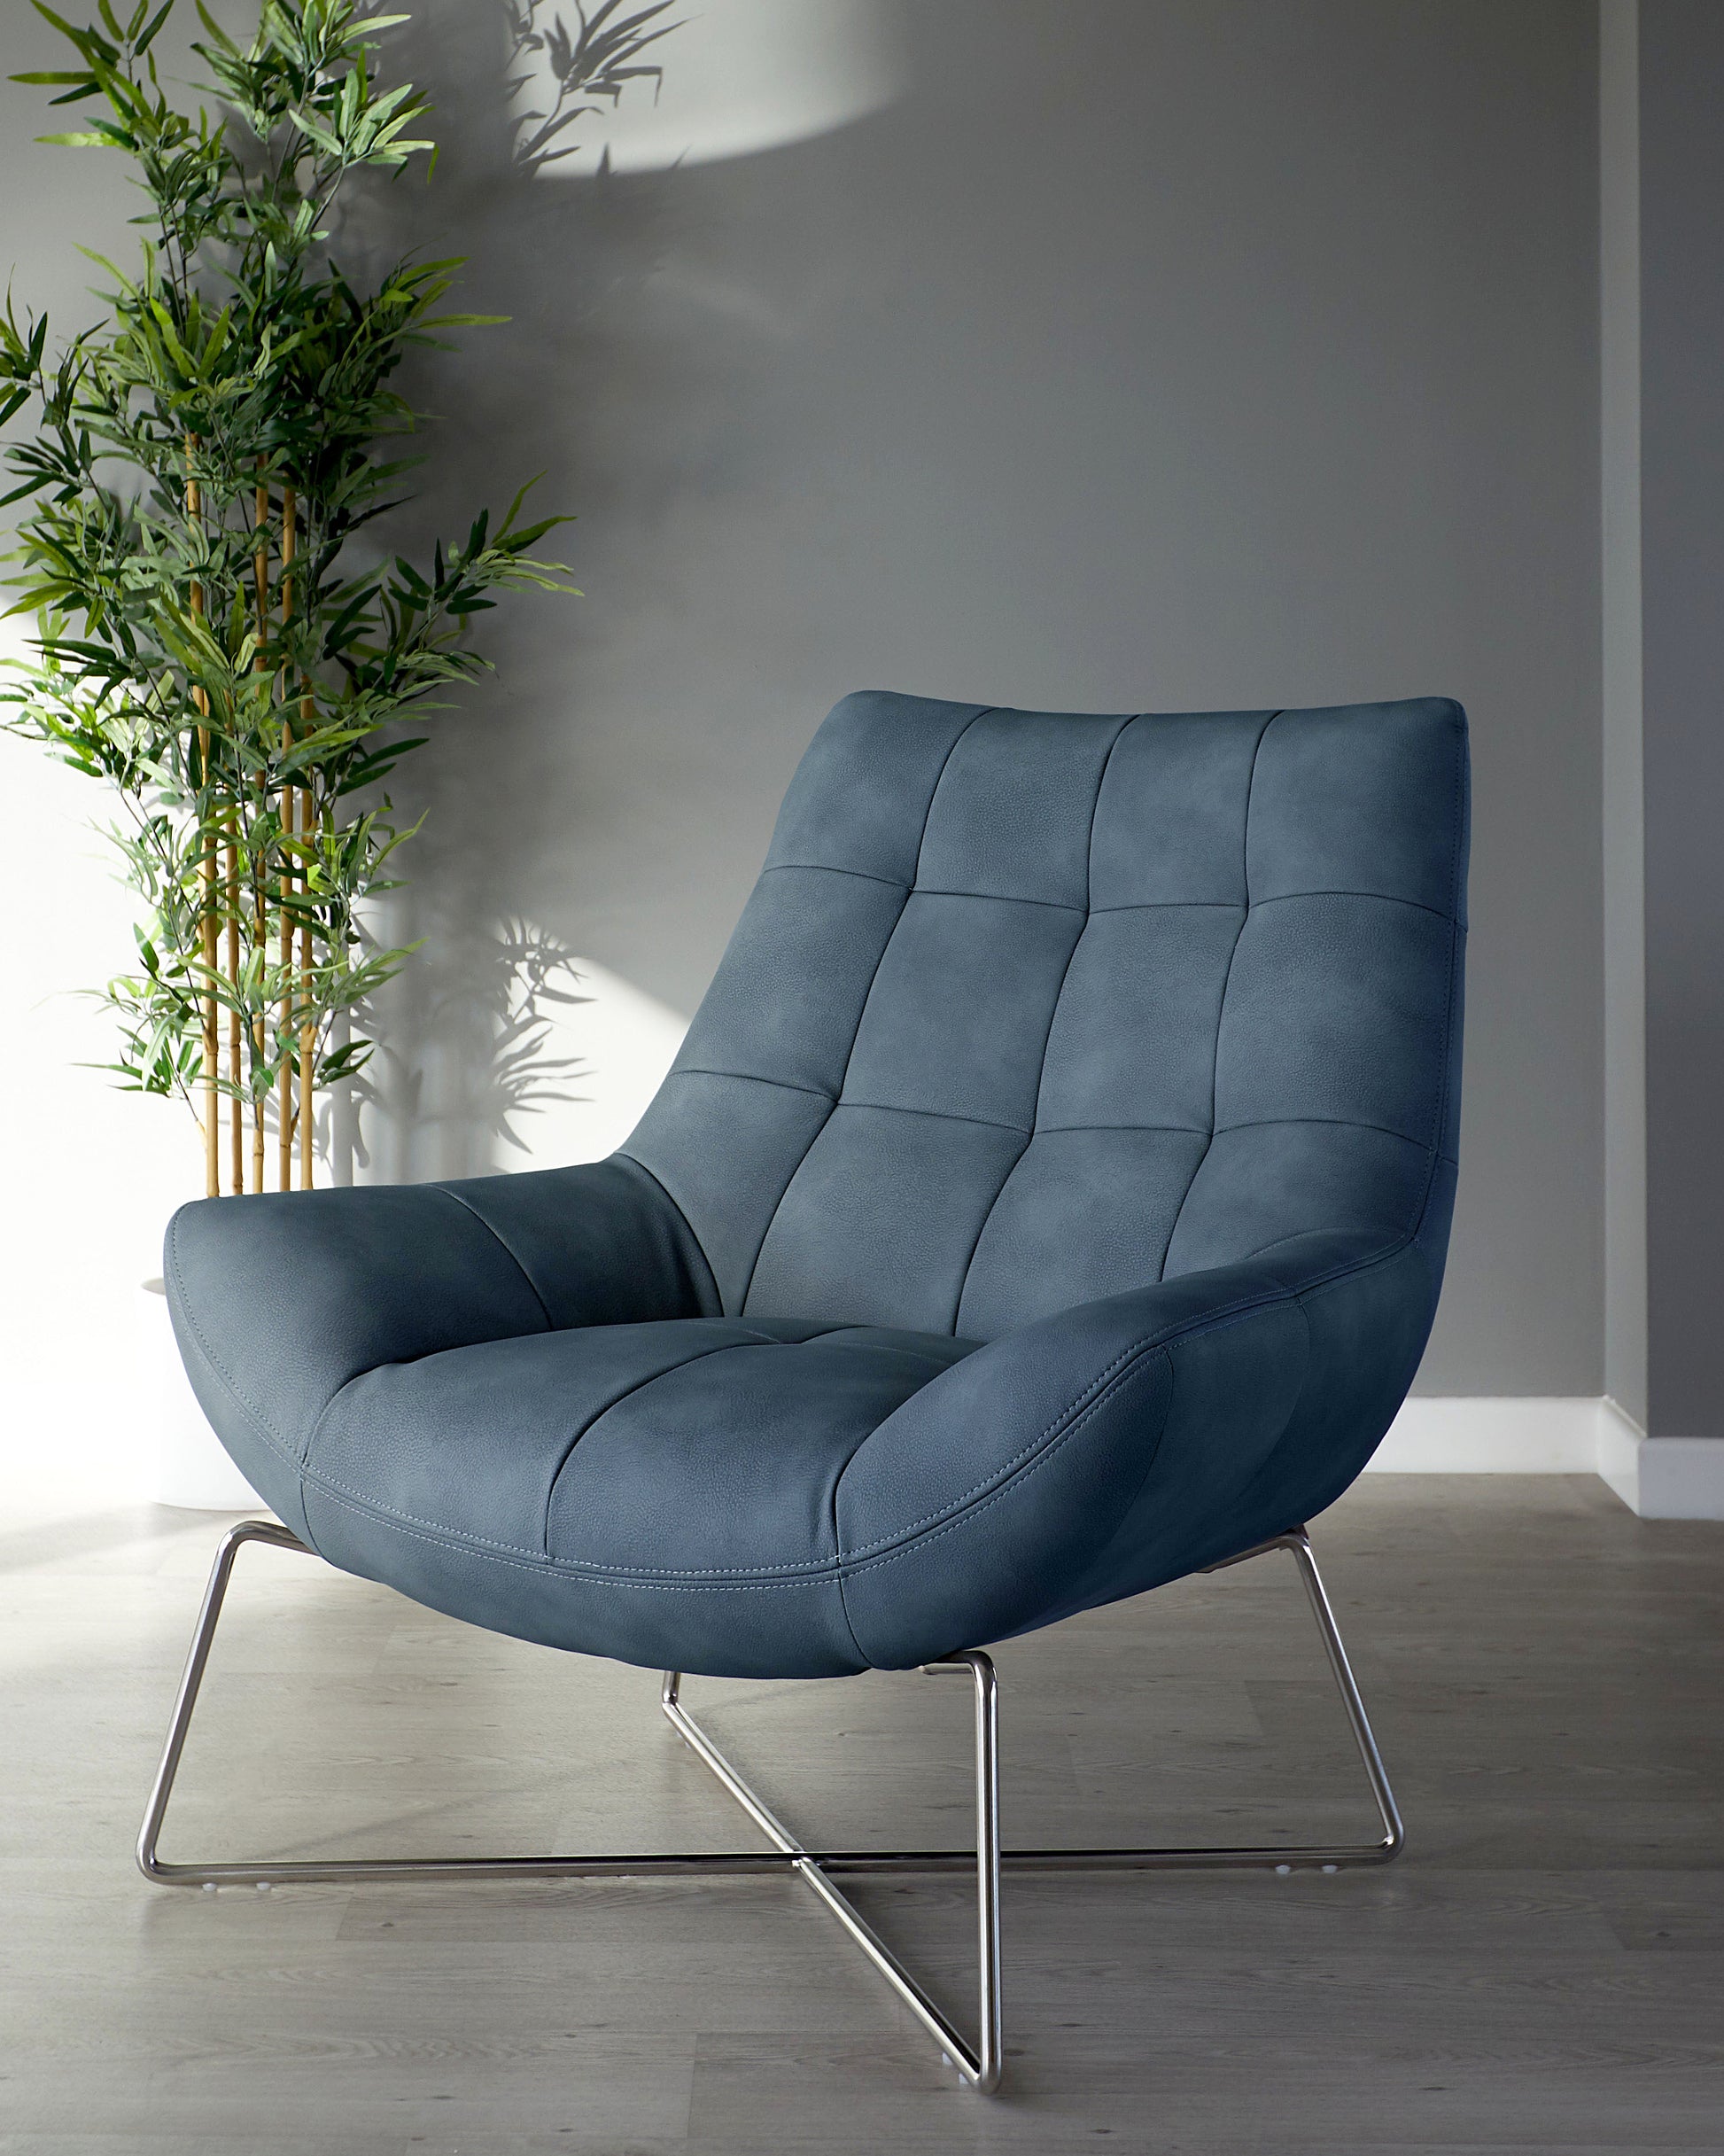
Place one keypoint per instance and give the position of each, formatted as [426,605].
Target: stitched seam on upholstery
[347,1384]
[712,1277]
[532,1288]
[1173,906]
[1340,1123]
[599,1414]
[996,898]
[1212,1321]
[1226,979]
[598,1566]
[831,869]
[1383,898]
[1312,1289]
[1017,1482]
[1060,1130]
[1273,1452]
[811,1567]
[887,1108]
[1298,1234]
[1053,1019]
[837,1539]
[938,1114]
[399,1361]
[1303,1296]
[795,1170]
[1130,1505]
[1089,886]
[745,1077]
[753,1077]
[986,712]
[266,1427]
[843,1611]
[975,1240]
[862,1007]
[739,1078]
[689,1583]
[1054,1435]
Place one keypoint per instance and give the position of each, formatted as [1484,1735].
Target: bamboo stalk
[260,561]
[212,1022]
[290,822]
[298,807]
[308,1038]
[259,942]
[260,931]
[230,868]
[260,665]
[284,1085]
[194,510]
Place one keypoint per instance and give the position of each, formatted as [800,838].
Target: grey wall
[1624,832]
[1681,181]
[1148,353]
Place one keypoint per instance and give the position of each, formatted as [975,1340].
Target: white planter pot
[192,1468]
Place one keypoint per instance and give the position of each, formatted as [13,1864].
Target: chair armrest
[1127,1441]
[279,1300]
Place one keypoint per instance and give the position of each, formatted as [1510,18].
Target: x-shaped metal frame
[979,2064]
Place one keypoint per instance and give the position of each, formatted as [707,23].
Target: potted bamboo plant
[219,637]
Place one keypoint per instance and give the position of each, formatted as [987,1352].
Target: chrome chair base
[978,2064]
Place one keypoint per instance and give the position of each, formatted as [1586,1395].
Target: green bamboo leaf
[142,44]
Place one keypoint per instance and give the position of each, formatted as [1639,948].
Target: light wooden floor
[1543,1971]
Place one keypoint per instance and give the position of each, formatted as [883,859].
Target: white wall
[1624,783]
[93,1173]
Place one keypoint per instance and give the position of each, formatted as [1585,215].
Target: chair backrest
[1029,1008]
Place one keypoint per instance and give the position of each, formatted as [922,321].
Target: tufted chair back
[1028,1009]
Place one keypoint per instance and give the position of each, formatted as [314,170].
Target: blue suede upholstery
[1051,1197]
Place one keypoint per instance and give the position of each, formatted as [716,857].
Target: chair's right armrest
[1125,1442]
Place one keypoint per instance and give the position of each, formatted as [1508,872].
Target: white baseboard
[1492,1437]
[1660,1478]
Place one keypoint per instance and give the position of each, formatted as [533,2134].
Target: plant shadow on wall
[644,347]
[471,1036]
[628,377]
[485,1019]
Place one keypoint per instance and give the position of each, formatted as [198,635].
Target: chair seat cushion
[703,1447]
